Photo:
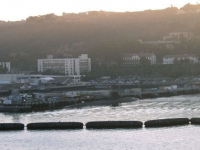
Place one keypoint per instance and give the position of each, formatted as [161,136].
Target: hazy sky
[21,9]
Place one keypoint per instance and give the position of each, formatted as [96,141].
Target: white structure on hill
[134,59]
[170,59]
[67,66]
[173,36]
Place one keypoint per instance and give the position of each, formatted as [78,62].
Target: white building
[169,59]
[173,36]
[67,66]
[166,42]
[5,65]
[134,59]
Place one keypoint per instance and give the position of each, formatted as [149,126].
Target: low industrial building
[38,79]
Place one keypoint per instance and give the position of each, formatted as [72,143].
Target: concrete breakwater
[75,103]
[105,102]
[116,97]
[167,93]
[100,124]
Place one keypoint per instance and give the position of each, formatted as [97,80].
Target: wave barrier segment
[167,122]
[113,124]
[11,126]
[54,125]
[195,121]
[100,124]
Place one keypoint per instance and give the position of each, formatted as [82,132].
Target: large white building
[169,59]
[67,66]
[134,59]
[177,36]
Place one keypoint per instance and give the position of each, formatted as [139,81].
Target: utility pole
[1,90]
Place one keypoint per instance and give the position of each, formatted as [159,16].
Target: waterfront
[177,137]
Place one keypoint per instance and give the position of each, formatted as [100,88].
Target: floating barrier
[11,126]
[100,124]
[195,120]
[166,122]
[114,124]
[55,125]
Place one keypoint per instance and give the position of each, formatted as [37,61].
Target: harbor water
[176,137]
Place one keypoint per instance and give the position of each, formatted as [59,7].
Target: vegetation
[3,70]
[172,71]
[103,36]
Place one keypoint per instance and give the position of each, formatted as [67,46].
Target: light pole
[1,91]
[119,83]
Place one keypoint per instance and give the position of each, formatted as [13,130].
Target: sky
[14,10]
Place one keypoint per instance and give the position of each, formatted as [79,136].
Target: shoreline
[114,100]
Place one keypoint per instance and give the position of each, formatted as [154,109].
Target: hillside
[103,35]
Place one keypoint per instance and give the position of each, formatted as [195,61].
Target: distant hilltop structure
[172,38]
[189,8]
[170,59]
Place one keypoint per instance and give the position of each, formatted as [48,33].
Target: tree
[144,61]
[184,61]
[3,69]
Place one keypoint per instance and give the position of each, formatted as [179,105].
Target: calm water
[178,137]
